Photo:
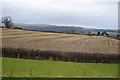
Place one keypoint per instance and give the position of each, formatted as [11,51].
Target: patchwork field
[47,68]
[58,41]
[43,68]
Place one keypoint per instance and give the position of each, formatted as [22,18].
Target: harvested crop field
[15,38]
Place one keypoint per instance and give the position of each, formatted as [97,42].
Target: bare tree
[7,21]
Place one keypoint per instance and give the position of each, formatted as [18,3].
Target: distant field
[58,41]
[38,68]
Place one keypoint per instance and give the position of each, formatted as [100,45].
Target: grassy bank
[13,67]
[26,78]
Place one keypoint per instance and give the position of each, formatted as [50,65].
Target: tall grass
[60,55]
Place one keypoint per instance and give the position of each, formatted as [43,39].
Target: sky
[85,13]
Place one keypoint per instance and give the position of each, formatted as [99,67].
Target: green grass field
[37,78]
[38,68]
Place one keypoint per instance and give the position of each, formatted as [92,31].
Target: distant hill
[65,29]
[53,28]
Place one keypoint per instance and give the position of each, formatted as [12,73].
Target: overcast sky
[85,13]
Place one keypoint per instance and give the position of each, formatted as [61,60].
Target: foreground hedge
[60,55]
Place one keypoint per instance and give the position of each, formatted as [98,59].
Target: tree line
[60,55]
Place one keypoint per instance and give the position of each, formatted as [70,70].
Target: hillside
[54,28]
[58,41]
[69,29]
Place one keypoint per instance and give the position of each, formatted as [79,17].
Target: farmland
[23,47]
[58,41]
[13,67]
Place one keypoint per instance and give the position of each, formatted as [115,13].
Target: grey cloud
[98,14]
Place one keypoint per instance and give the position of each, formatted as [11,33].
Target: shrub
[60,55]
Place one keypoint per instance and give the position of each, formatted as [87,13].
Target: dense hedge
[60,56]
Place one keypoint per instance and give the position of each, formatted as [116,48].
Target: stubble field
[58,41]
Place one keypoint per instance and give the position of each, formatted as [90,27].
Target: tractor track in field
[59,41]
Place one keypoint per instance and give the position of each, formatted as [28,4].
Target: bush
[60,55]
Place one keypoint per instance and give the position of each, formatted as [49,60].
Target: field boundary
[42,78]
[60,55]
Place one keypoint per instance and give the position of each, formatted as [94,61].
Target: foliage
[60,55]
